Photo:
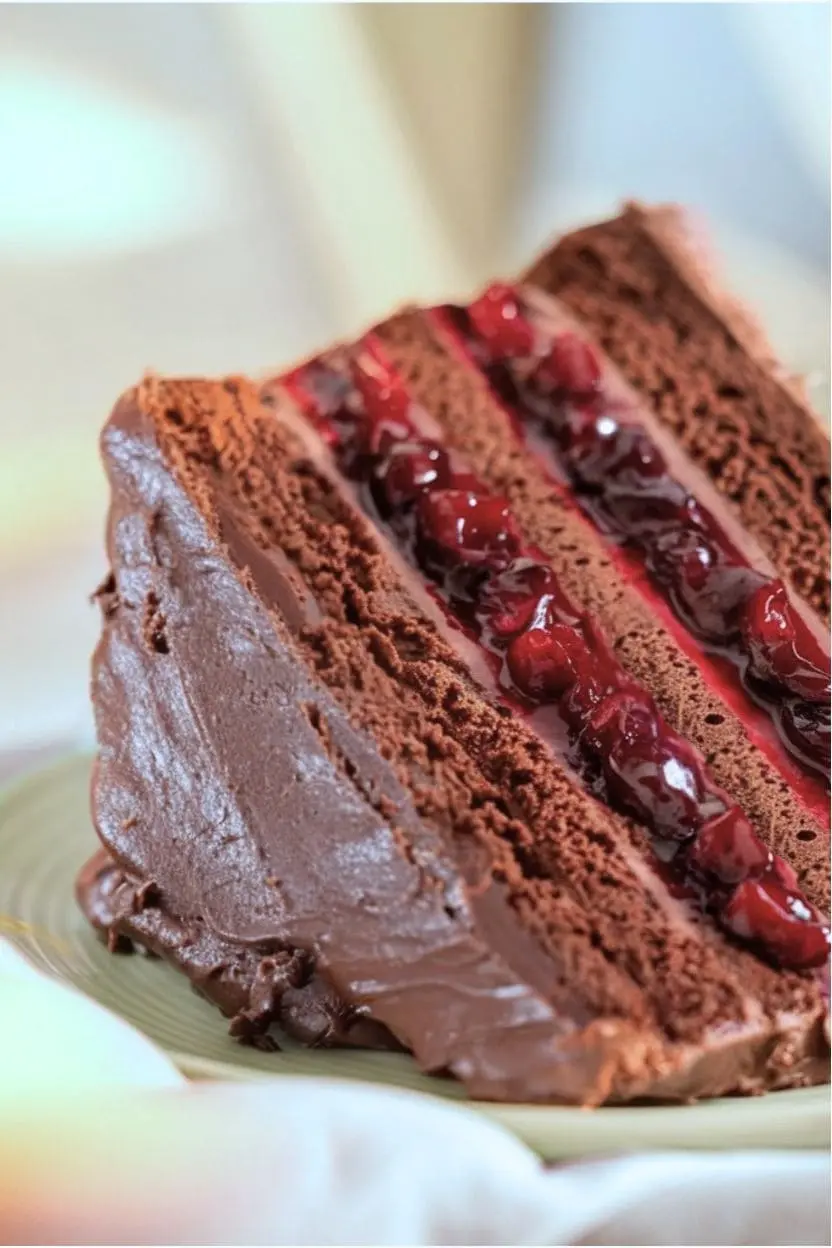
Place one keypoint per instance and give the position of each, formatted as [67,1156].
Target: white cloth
[101,1142]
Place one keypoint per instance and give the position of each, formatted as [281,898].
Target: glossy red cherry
[784,873]
[617,458]
[380,435]
[469,528]
[586,694]
[637,512]
[498,319]
[411,468]
[806,725]
[592,445]
[728,849]
[571,366]
[637,458]
[511,596]
[383,394]
[655,513]
[599,676]
[574,429]
[768,615]
[704,590]
[787,927]
[694,562]
[783,648]
[543,662]
[648,768]
[627,712]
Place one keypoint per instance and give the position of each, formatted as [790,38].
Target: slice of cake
[446,702]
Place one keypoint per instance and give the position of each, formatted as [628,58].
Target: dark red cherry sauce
[465,542]
[553,382]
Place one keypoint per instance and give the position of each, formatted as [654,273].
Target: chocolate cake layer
[788,809]
[311,805]
[644,290]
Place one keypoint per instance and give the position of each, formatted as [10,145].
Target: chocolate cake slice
[412,734]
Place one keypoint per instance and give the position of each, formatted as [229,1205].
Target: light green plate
[45,835]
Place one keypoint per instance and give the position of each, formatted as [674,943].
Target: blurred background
[202,188]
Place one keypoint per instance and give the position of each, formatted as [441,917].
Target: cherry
[784,873]
[649,769]
[638,460]
[768,617]
[597,678]
[543,662]
[783,648]
[787,927]
[379,435]
[644,512]
[593,442]
[383,395]
[583,696]
[606,452]
[572,366]
[806,725]
[639,513]
[511,596]
[411,468]
[575,430]
[705,587]
[619,459]
[728,848]
[627,712]
[695,560]
[498,319]
[469,528]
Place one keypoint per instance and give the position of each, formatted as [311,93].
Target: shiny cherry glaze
[621,479]
[466,542]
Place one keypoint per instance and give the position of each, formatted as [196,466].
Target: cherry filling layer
[505,595]
[620,478]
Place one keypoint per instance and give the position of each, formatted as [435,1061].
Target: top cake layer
[395,748]
[643,286]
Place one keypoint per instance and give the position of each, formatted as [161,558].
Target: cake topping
[622,480]
[465,541]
